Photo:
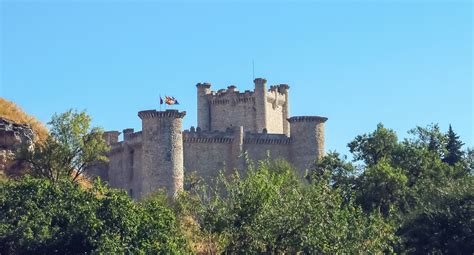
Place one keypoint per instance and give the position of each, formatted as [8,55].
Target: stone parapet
[111,137]
[307,119]
[193,136]
[207,140]
[282,89]
[230,96]
[161,114]
[135,135]
[253,138]
[204,85]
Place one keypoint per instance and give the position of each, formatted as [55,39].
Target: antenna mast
[253,69]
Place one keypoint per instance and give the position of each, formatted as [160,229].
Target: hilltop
[13,112]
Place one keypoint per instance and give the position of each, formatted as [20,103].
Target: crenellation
[160,114]
[230,124]
[111,137]
[307,119]
[127,133]
[265,138]
[232,89]
[190,136]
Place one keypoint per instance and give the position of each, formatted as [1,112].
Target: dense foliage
[271,211]
[42,217]
[71,147]
[413,196]
[423,185]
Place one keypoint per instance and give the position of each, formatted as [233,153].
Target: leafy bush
[41,217]
[443,220]
[271,211]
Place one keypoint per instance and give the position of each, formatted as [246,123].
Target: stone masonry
[231,124]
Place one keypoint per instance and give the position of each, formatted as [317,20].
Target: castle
[230,124]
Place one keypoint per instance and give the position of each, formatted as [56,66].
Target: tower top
[161,114]
[203,85]
[307,119]
[260,81]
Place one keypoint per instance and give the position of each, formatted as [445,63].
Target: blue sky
[402,63]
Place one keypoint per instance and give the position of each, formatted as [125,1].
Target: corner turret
[162,158]
[307,140]
[260,103]
[203,109]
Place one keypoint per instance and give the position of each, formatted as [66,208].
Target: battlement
[232,95]
[197,136]
[135,136]
[161,114]
[111,137]
[307,119]
[281,89]
[132,139]
[264,138]
[253,109]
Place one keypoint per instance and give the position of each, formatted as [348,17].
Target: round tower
[162,151]
[203,109]
[260,93]
[284,89]
[307,140]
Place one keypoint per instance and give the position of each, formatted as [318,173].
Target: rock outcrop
[13,137]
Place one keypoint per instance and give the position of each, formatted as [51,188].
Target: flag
[161,100]
[175,101]
[170,100]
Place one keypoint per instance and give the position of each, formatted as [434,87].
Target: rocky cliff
[13,136]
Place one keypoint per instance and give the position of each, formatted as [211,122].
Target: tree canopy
[71,147]
[407,196]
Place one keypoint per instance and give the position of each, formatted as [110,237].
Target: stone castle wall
[260,146]
[254,110]
[276,114]
[206,154]
[231,109]
[232,126]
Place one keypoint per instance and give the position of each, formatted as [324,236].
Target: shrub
[41,217]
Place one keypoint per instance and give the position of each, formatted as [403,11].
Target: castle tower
[162,155]
[284,89]
[203,114]
[260,104]
[307,140]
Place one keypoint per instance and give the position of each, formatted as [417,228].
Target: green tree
[413,186]
[453,148]
[442,221]
[429,137]
[371,148]
[382,187]
[469,161]
[334,170]
[70,149]
[271,211]
[38,216]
